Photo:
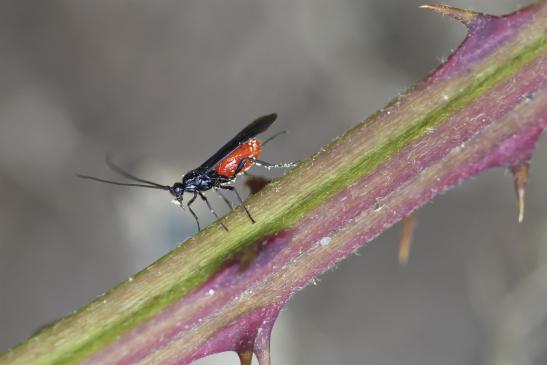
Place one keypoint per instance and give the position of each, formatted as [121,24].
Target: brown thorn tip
[520,174]
[409,223]
[263,357]
[245,357]
[462,15]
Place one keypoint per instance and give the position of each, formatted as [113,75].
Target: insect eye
[177,191]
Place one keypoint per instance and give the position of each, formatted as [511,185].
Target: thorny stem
[485,107]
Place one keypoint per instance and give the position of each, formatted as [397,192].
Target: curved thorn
[520,174]
[463,15]
[262,341]
[409,223]
[245,357]
[264,357]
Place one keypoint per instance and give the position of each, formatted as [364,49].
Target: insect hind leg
[269,166]
[264,164]
[240,200]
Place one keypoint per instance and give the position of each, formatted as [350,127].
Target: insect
[217,173]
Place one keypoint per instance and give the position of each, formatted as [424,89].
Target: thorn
[409,223]
[245,357]
[520,174]
[264,357]
[462,15]
[262,341]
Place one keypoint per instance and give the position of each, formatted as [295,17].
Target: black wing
[256,127]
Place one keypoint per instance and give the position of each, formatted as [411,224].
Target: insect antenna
[119,170]
[126,174]
[156,186]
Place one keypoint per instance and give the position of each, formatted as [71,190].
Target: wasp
[237,156]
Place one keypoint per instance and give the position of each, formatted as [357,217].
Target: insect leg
[242,164]
[240,200]
[269,166]
[264,164]
[228,202]
[190,202]
[211,209]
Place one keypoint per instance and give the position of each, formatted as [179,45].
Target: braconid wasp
[217,173]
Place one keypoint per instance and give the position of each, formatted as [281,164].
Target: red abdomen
[250,149]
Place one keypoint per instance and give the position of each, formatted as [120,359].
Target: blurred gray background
[161,84]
